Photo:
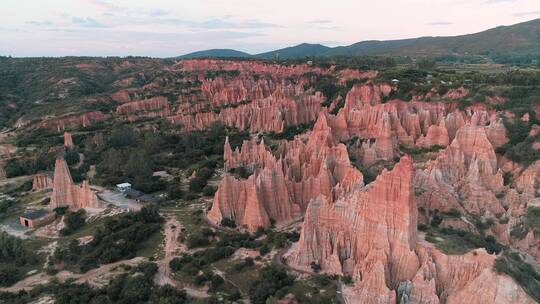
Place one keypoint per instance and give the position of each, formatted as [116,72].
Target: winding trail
[171,234]
[173,227]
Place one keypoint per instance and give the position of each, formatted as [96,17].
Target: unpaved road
[116,198]
[171,234]
[96,276]
[170,247]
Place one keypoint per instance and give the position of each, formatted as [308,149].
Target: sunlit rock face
[66,194]
[282,185]
[370,234]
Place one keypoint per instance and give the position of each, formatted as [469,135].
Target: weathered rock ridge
[72,120]
[152,107]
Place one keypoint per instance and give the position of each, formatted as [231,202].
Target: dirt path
[172,232]
[97,277]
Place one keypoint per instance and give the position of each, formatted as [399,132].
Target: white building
[123,187]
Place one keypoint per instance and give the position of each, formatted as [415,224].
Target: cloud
[527,14]
[103,6]
[87,22]
[39,23]
[439,23]
[218,24]
[321,21]
[499,1]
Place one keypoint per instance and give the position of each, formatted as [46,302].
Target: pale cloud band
[167,28]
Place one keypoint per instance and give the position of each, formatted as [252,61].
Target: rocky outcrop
[68,141]
[271,114]
[367,94]
[66,194]
[41,181]
[350,74]
[354,233]
[370,234]
[529,180]
[282,185]
[72,120]
[152,107]
[466,171]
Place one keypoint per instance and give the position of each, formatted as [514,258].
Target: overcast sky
[168,28]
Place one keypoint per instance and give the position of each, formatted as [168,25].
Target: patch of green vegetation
[132,155]
[532,217]
[73,221]
[135,286]
[420,150]
[369,175]
[272,282]
[317,289]
[15,258]
[531,221]
[524,274]
[240,172]
[291,131]
[118,238]
[457,241]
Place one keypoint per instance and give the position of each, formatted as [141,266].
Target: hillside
[298,51]
[226,53]
[519,39]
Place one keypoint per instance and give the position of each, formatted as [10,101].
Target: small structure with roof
[123,187]
[37,218]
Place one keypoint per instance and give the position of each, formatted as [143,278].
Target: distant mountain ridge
[217,53]
[522,39]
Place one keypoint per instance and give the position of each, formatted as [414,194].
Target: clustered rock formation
[370,234]
[41,181]
[262,98]
[281,186]
[67,194]
[366,231]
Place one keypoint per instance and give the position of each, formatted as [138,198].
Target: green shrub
[73,221]
[523,273]
[270,281]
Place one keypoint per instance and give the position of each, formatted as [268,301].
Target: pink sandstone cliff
[66,194]
[371,235]
[282,185]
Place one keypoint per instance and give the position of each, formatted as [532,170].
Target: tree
[271,279]
[73,221]
[174,189]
